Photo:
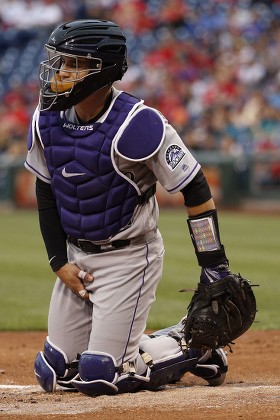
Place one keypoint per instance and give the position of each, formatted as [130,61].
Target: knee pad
[51,366]
[99,375]
[44,373]
[167,361]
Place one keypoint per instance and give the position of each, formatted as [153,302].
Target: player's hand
[74,278]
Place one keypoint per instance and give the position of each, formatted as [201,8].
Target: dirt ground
[251,389]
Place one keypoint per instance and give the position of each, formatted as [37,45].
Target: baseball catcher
[97,153]
[224,306]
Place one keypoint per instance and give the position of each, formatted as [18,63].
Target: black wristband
[205,235]
[57,262]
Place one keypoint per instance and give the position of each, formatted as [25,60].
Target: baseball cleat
[212,366]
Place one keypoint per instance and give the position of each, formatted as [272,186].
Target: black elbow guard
[197,191]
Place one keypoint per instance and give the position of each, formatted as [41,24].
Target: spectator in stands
[27,14]
[14,123]
[210,66]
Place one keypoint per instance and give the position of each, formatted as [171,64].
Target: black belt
[90,247]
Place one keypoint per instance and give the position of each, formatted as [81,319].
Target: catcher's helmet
[92,52]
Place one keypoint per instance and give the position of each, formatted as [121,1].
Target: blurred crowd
[212,67]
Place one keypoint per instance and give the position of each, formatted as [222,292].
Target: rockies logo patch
[174,154]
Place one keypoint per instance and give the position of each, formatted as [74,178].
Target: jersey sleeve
[174,166]
[35,160]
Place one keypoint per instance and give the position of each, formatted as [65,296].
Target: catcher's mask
[83,57]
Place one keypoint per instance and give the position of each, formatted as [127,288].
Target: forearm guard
[205,235]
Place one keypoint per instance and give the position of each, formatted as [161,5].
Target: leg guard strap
[129,381]
[166,360]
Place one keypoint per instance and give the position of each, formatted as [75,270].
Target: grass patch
[251,242]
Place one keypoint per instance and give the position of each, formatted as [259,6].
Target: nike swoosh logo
[69,174]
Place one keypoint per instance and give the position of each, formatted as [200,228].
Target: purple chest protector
[94,201]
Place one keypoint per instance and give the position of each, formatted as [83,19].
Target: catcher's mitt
[220,312]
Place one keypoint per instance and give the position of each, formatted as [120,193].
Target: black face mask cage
[61,72]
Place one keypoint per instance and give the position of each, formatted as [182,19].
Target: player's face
[73,68]
[70,70]
[64,71]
